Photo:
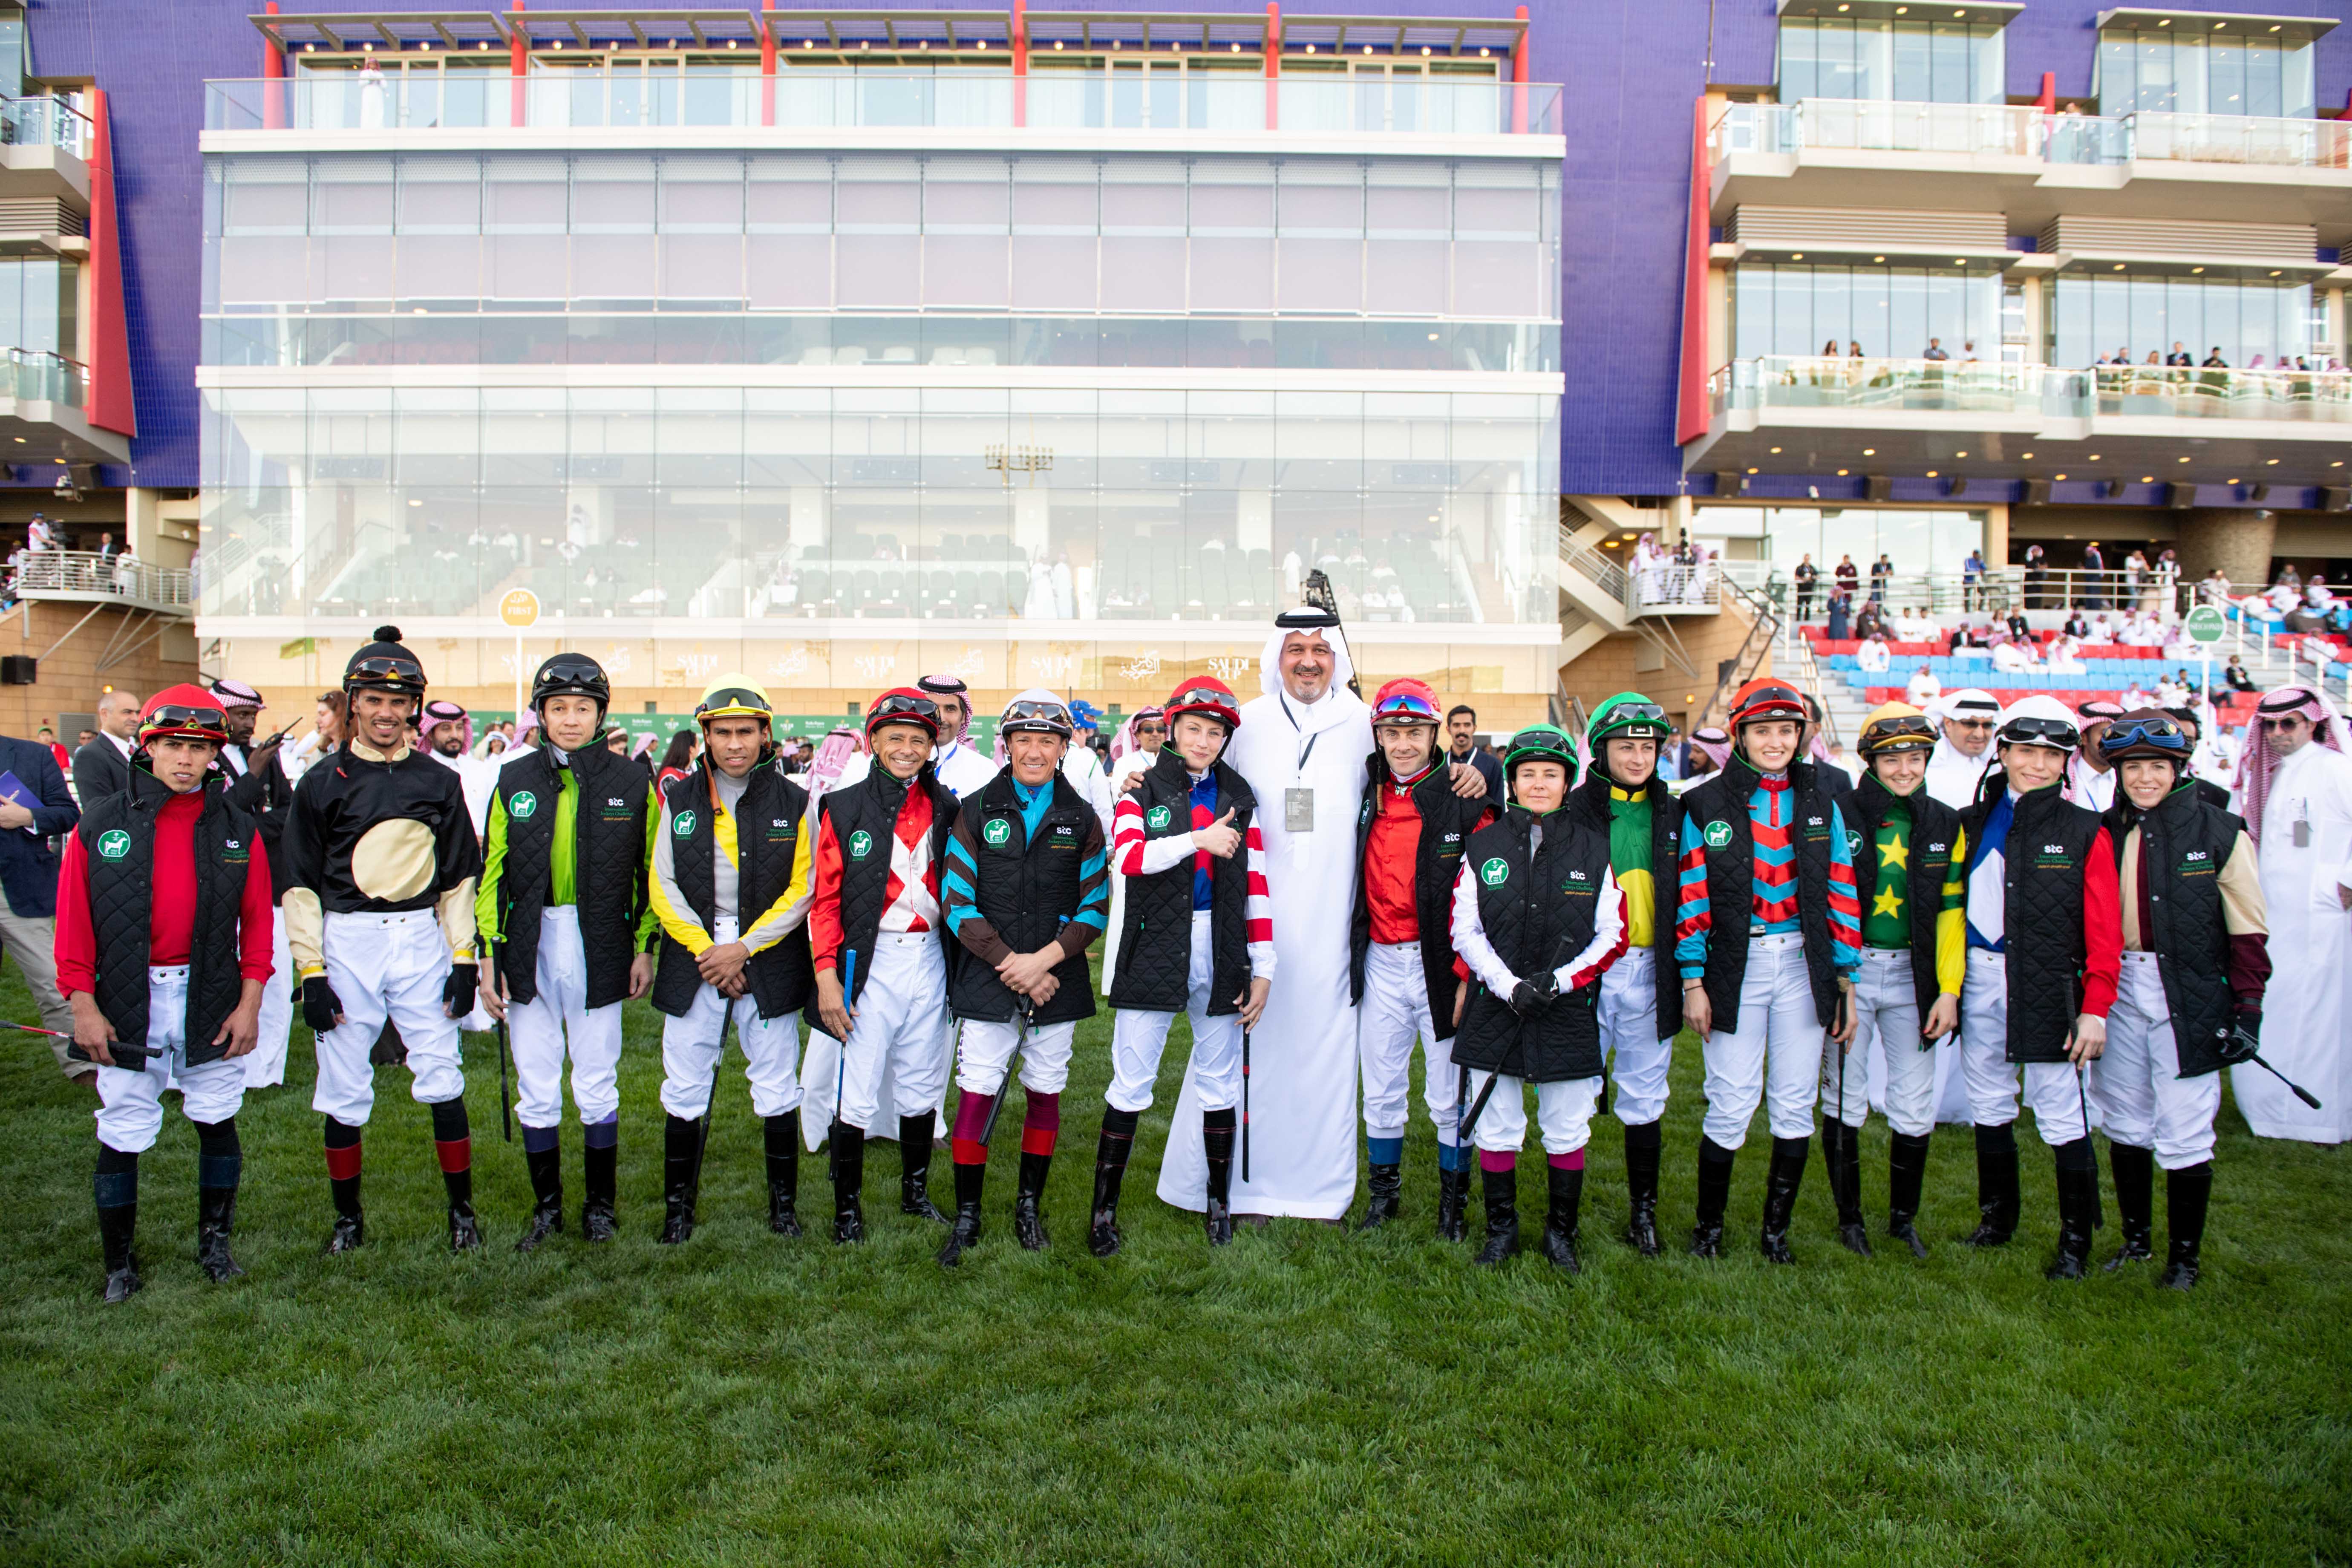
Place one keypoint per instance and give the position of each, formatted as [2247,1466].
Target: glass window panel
[788,271]
[2225,64]
[1915,80]
[2265,78]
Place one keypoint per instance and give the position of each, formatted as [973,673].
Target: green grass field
[1308,1396]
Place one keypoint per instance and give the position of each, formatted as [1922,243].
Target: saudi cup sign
[2205,624]
[519,607]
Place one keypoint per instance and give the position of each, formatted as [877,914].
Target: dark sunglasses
[2291,722]
[1978,723]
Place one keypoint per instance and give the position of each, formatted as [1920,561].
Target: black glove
[1532,996]
[457,993]
[2242,1038]
[320,1006]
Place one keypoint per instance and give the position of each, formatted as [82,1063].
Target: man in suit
[103,767]
[30,819]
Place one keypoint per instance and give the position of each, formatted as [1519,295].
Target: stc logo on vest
[682,825]
[1494,872]
[997,831]
[523,804]
[1719,833]
[114,843]
[1156,818]
[861,844]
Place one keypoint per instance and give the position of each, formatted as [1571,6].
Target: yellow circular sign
[518,608]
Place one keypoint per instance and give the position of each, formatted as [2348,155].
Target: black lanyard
[1311,739]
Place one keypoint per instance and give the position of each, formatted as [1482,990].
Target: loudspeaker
[1878,487]
[2180,498]
[2111,489]
[2260,492]
[1959,487]
[19,669]
[1730,483]
[2037,492]
[2335,498]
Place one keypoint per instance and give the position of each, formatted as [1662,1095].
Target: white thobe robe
[1302,1086]
[2307,1012]
[1952,776]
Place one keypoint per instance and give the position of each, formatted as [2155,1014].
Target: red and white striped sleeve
[1133,855]
[1608,943]
[1259,909]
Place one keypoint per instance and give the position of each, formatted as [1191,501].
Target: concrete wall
[70,681]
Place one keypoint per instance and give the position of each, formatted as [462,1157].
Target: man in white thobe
[2295,793]
[1961,757]
[1303,747]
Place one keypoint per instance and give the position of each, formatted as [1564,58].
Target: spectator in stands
[2235,674]
[1958,761]
[2135,568]
[2037,577]
[1881,570]
[2168,578]
[1935,350]
[1849,575]
[2101,634]
[1923,689]
[1806,575]
[1873,656]
[1841,606]
[2137,696]
[1871,622]
[39,534]
[2066,657]
[1972,576]
[2214,589]
[2179,354]
[103,767]
[2010,655]
[2018,629]
[1966,642]
[2287,576]
[2171,691]
[1462,745]
[107,549]
[2075,627]
[2096,565]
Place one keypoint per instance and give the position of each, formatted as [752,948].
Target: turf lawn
[1308,1396]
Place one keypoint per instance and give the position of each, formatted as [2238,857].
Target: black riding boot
[1452,1197]
[783,1149]
[2187,1192]
[1387,1194]
[681,1174]
[117,1188]
[1557,1242]
[848,1181]
[220,1164]
[1641,1149]
[1996,1186]
[2134,1170]
[1907,1173]
[546,1167]
[600,1181]
[2078,1197]
[1842,1155]
[1111,1150]
[1217,1144]
[915,1167]
[453,1147]
[965,1234]
[1781,1180]
[1028,1224]
[1502,1189]
[1714,1193]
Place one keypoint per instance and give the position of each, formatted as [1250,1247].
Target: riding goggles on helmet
[2054,733]
[1539,744]
[387,668]
[732,703]
[1899,734]
[201,723]
[1036,715]
[889,708]
[1405,708]
[1634,721]
[2158,732]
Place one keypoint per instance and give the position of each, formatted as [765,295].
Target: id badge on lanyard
[1298,800]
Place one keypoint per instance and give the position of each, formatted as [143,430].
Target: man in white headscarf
[959,763]
[1961,757]
[1304,748]
[2295,791]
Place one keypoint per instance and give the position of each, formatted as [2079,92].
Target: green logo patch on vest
[1156,818]
[1494,872]
[113,844]
[861,844]
[1719,833]
[521,805]
[997,831]
[682,825]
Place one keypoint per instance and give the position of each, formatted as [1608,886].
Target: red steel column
[1519,82]
[518,66]
[1273,65]
[273,81]
[1020,62]
[767,65]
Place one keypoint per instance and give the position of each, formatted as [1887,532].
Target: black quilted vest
[1538,916]
[1589,805]
[608,866]
[1731,875]
[1151,966]
[118,841]
[2049,844]
[1933,827]
[1447,821]
[2184,843]
[1028,890]
[865,818]
[767,834]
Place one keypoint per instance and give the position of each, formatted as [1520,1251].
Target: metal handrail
[2024,130]
[86,572]
[1763,625]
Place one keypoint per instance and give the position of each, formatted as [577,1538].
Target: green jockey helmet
[1628,716]
[1540,743]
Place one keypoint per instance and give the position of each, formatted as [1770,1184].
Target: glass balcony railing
[818,98]
[38,375]
[44,122]
[1947,386]
[2024,131]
